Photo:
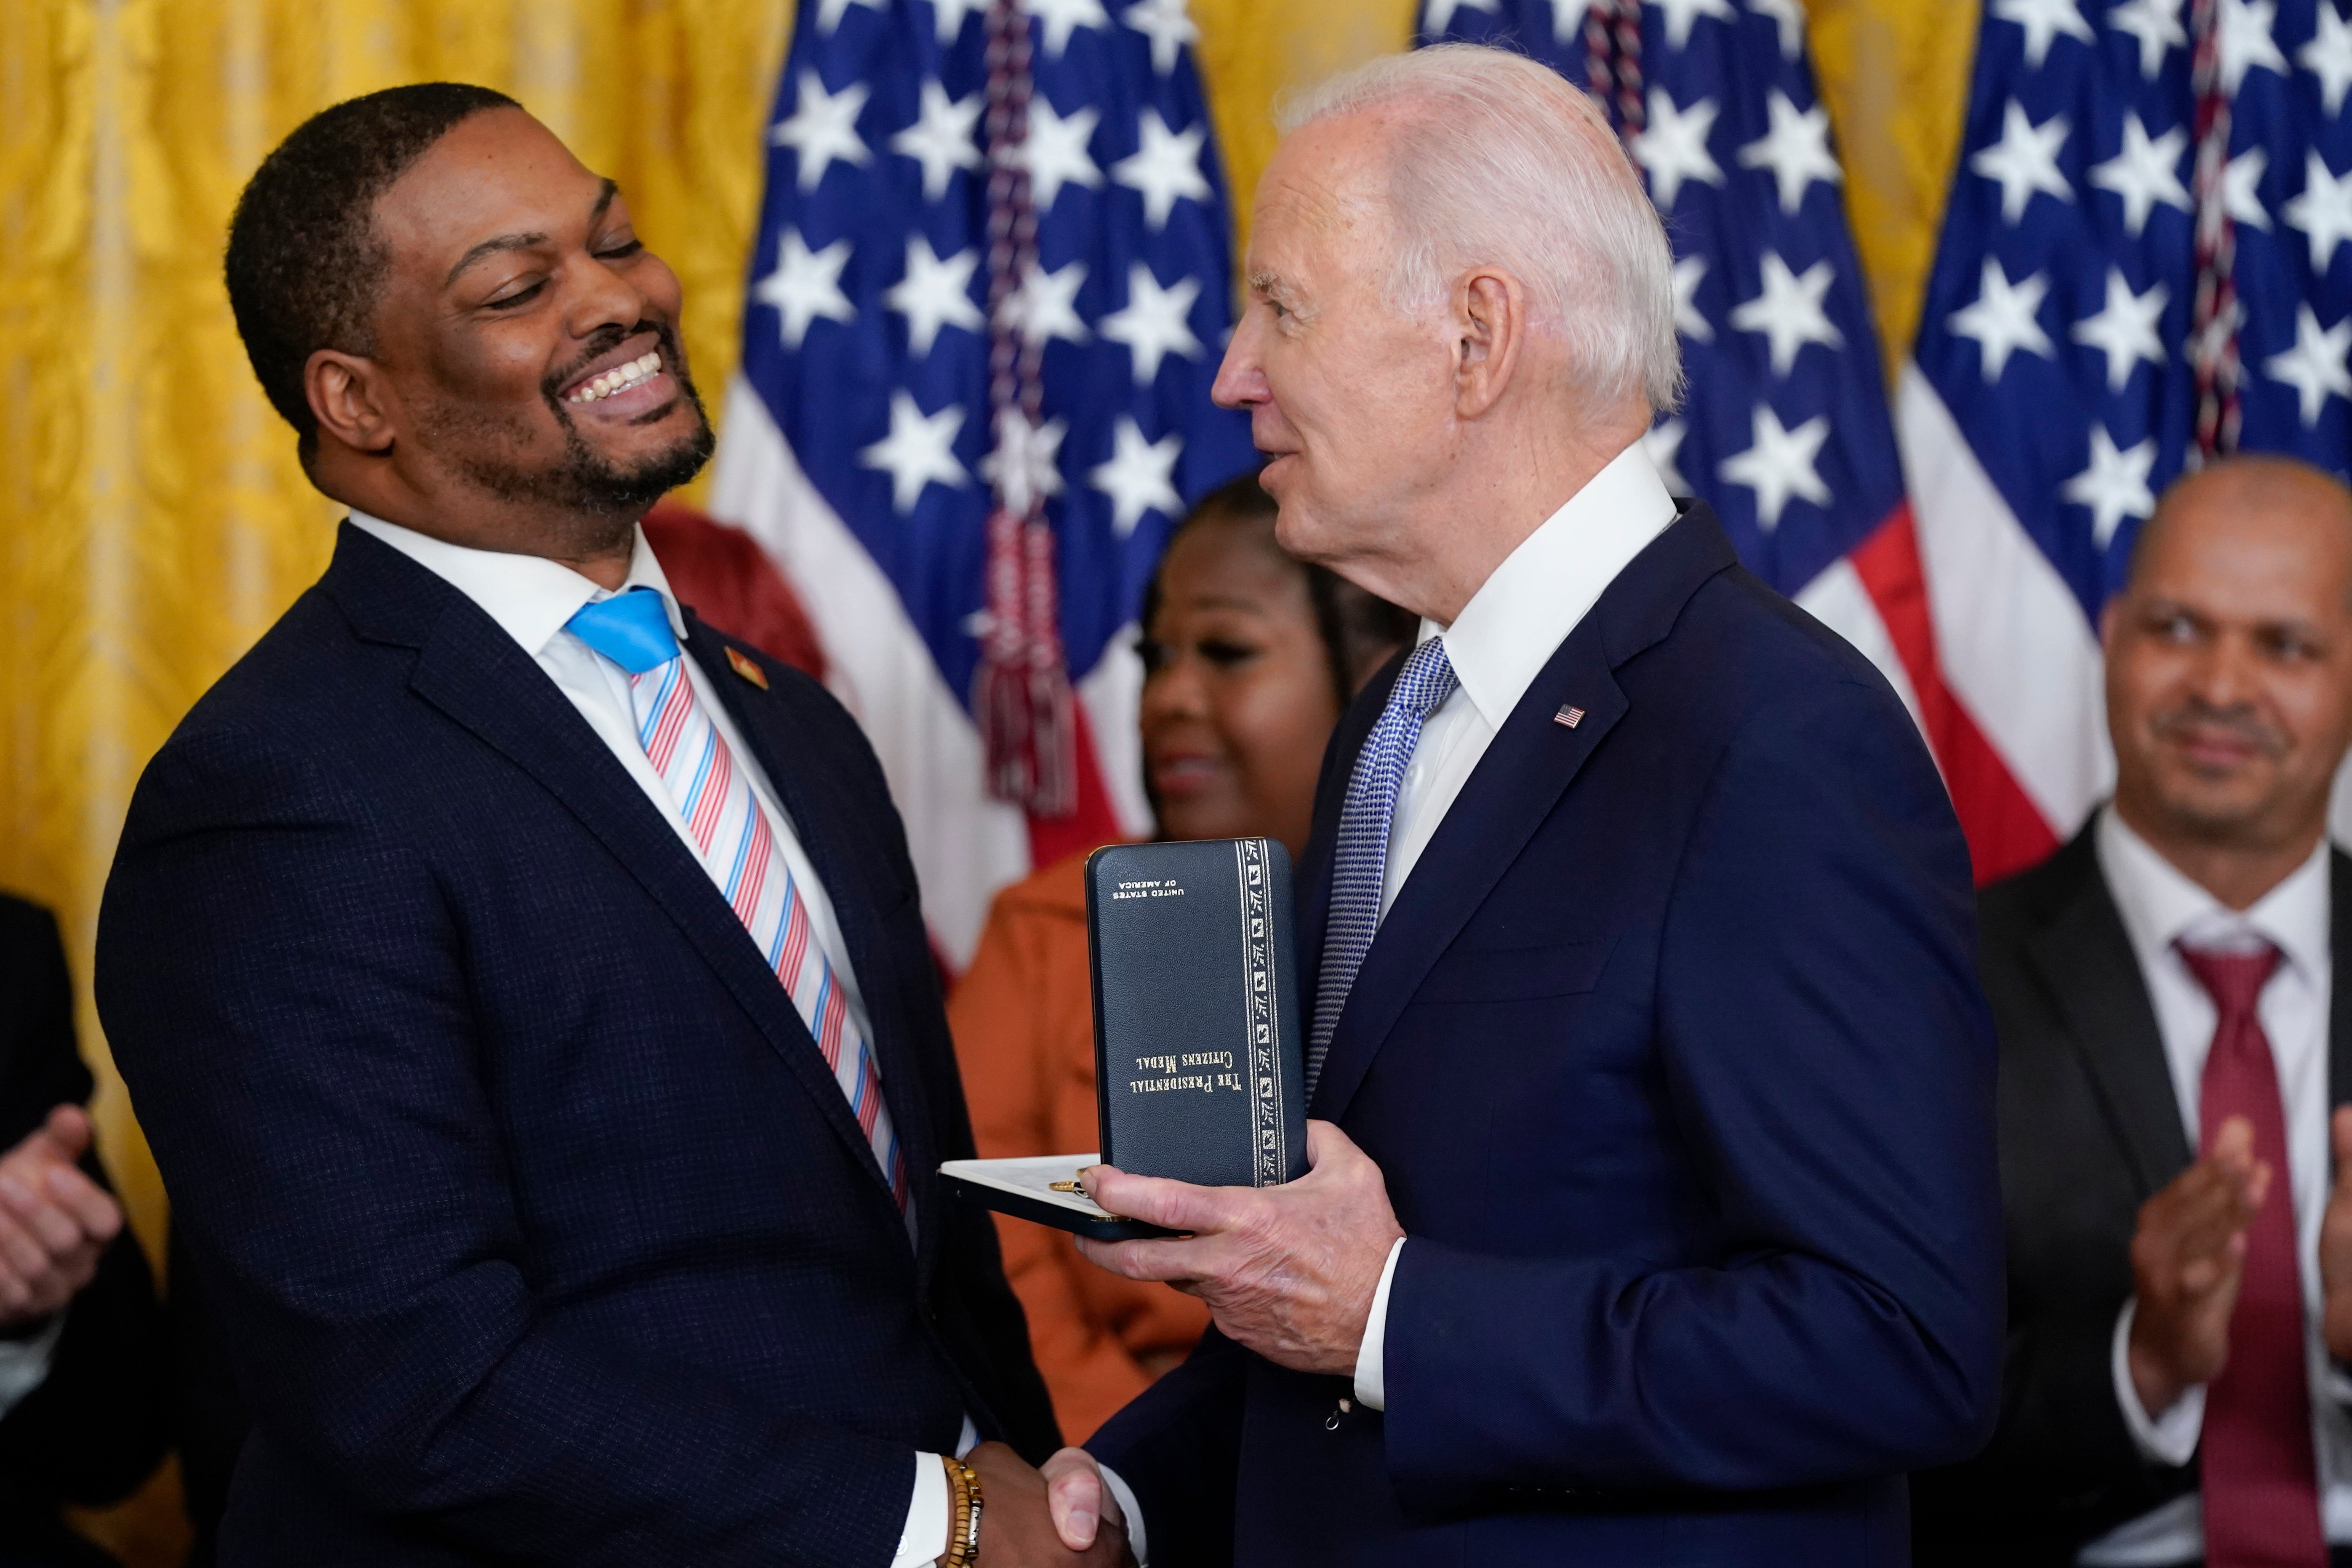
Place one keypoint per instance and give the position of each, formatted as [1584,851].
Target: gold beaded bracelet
[963,1513]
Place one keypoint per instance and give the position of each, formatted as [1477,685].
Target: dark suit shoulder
[2018,905]
[1745,656]
[303,725]
[327,669]
[307,663]
[1787,644]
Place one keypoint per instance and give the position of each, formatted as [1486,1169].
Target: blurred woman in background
[1249,656]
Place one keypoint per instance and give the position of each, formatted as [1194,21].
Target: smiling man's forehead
[499,174]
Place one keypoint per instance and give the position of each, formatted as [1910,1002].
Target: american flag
[992,284]
[2144,258]
[1786,432]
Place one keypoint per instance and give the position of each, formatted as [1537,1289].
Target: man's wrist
[2154,1387]
[965,1505]
[2162,1435]
[2156,1391]
[1121,1501]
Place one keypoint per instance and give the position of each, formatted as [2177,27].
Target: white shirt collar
[529,595]
[2160,905]
[1525,610]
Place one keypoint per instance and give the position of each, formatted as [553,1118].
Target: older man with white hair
[1653,1216]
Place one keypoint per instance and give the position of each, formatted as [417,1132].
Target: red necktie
[2258,1476]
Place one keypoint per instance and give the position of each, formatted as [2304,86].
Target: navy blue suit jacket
[1672,1051]
[536,1224]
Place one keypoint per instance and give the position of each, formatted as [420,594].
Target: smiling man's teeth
[620,376]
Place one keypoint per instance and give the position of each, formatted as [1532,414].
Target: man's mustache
[2238,721]
[604,342]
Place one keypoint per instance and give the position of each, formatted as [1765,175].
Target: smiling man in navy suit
[1653,1216]
[523,986]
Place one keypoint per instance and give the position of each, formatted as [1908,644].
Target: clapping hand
[54,1222]
[2187,1257]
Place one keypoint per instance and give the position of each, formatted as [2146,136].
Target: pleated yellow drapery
[153,519]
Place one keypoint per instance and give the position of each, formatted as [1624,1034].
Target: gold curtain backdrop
[153,519]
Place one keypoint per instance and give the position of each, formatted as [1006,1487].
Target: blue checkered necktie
[1362,860]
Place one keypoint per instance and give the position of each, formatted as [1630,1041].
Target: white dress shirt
[25,1364]
[531,597]
[2162,908]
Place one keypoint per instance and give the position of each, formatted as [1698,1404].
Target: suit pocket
[1517,974]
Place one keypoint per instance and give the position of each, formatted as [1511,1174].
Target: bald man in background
[2172,1042]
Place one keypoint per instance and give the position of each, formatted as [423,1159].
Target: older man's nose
[1241,381]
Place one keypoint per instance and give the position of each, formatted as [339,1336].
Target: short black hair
[1358,627]
[304,262]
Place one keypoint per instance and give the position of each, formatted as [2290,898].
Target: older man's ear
[1492,312]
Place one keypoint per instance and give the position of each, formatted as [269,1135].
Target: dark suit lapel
[2087,966]
[1515,786]
[849,873]
[471,670]
[1530,765]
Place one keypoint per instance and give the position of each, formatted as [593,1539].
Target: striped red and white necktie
[737,844]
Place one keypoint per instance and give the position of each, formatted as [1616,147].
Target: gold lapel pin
[747,669]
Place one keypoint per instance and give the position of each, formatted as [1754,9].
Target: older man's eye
[507,302]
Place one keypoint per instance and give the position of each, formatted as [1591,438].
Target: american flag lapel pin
[1568,718]
[747,669]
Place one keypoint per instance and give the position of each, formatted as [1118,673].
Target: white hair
[1495,159]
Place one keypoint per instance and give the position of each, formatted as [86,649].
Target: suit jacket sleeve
[1178,1444]
[1827,1057]
[282,983]
[40,1066]
[94,1427]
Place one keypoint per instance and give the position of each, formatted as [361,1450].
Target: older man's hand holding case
[1290,1271]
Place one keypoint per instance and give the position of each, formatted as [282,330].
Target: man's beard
[584,479]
